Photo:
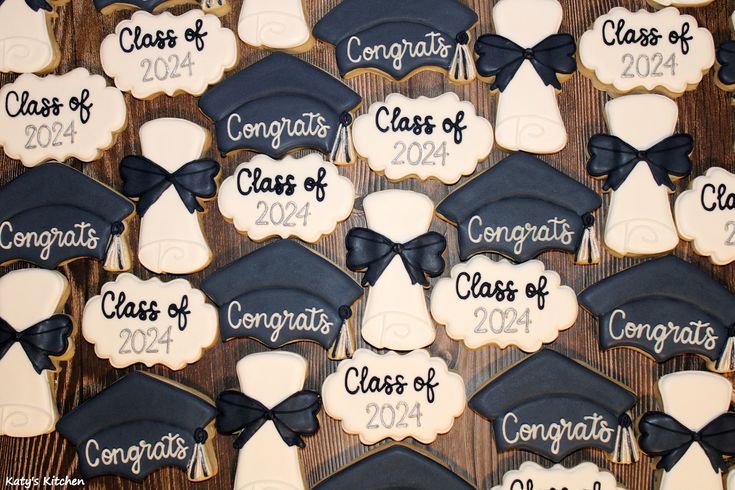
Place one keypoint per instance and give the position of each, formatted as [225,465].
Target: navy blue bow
[49,337]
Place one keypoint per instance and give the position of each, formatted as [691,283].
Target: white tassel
[726,362]
[200,465]
[462,69]
[343,151]
[344,345]
[588,251]
[626,447]
[117,256]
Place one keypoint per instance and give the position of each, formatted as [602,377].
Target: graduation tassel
[343,151]
[588,251]
[344,345]
[462,68]
[117,256]
[209,5]
[200,465]
[726,362]
[626,446]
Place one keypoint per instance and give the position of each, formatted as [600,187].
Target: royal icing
[726,62]
[168,181]
[300,197]
[27,43]
[693,432]
[152,322]
[270,415]
[394,396]
[397,253]
[400,39]
[440,137]
[139,424]
[59,116]
[526,59]
[216,7]
[164,53]
[663,51]
[639,161]
[486,302]
[275,24]
[30,304]
[679,3]
[585,476]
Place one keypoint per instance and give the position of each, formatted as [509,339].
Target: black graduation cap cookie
[553,406]
[281,104]
[142,423]
[521,207]
[283,293]
[666,307]
[398,39]
[53,214]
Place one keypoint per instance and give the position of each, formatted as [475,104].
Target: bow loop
[147,181]
[47,338]
[726,60]
[370,251]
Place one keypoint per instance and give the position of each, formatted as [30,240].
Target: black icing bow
[49,337]
[500,57]
[662,435]
[368,249]
[293,417]
[611,156]
[726,59]
[147,181]
[36,5]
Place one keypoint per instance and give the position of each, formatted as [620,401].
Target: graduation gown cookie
[666,307]
[27,43]
[33,337]
[639,159]
[399,39]
[281,104]
[139,424]
[52,214]
[553,406]
[168,181]
[275,24]
[271,295]
[520,208]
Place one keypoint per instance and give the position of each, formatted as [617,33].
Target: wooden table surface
[469,448]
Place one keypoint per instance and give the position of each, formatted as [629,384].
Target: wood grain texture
[469,448]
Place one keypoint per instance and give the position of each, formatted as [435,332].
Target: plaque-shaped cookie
[584,476]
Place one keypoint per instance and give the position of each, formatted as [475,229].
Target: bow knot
[528,54]
[49,337]
[147,181]
[369,250]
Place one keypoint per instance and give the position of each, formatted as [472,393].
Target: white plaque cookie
[440,137]
[679,3]
[152,322]
[391,395]
[293,197]
[585,476]
[150,54]
[486,302]
[60,116]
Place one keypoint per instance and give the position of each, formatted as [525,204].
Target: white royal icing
[26,43]
[531,476]
[275,24]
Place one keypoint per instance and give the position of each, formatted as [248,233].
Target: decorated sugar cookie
[639,160]
[440,137]
[585,476]
[53,214]
[379,396]
[168,180]
[152,322]
[400,39]
[142,423]
[395,465]
[27,42]
[281,104]
[398,253]
[679,3]
[270,416]
[520,208]
[705,215]
[275,24]
[692,433]
[59,116]
[301,197]
[665,307]
[726,62]
[485,302]
[34,336]
[527,61]
[216,7]
[553,406]
[149,54]
[663,51]
[271,295]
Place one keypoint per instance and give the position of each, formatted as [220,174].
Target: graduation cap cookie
[553,406]
[666,307]
[140,424]
[216,7]
[271,295]
[281,104]
[395,465]
[522,207]
[52,214]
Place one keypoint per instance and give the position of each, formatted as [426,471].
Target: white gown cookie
[30,300]
[27,43]
[275,24]
[585,476]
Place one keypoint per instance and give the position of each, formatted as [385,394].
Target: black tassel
[462,69]
[343,151]
[726,361]
[344,345]
[588,251]
[626,447]
[117,256]
[201,466]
